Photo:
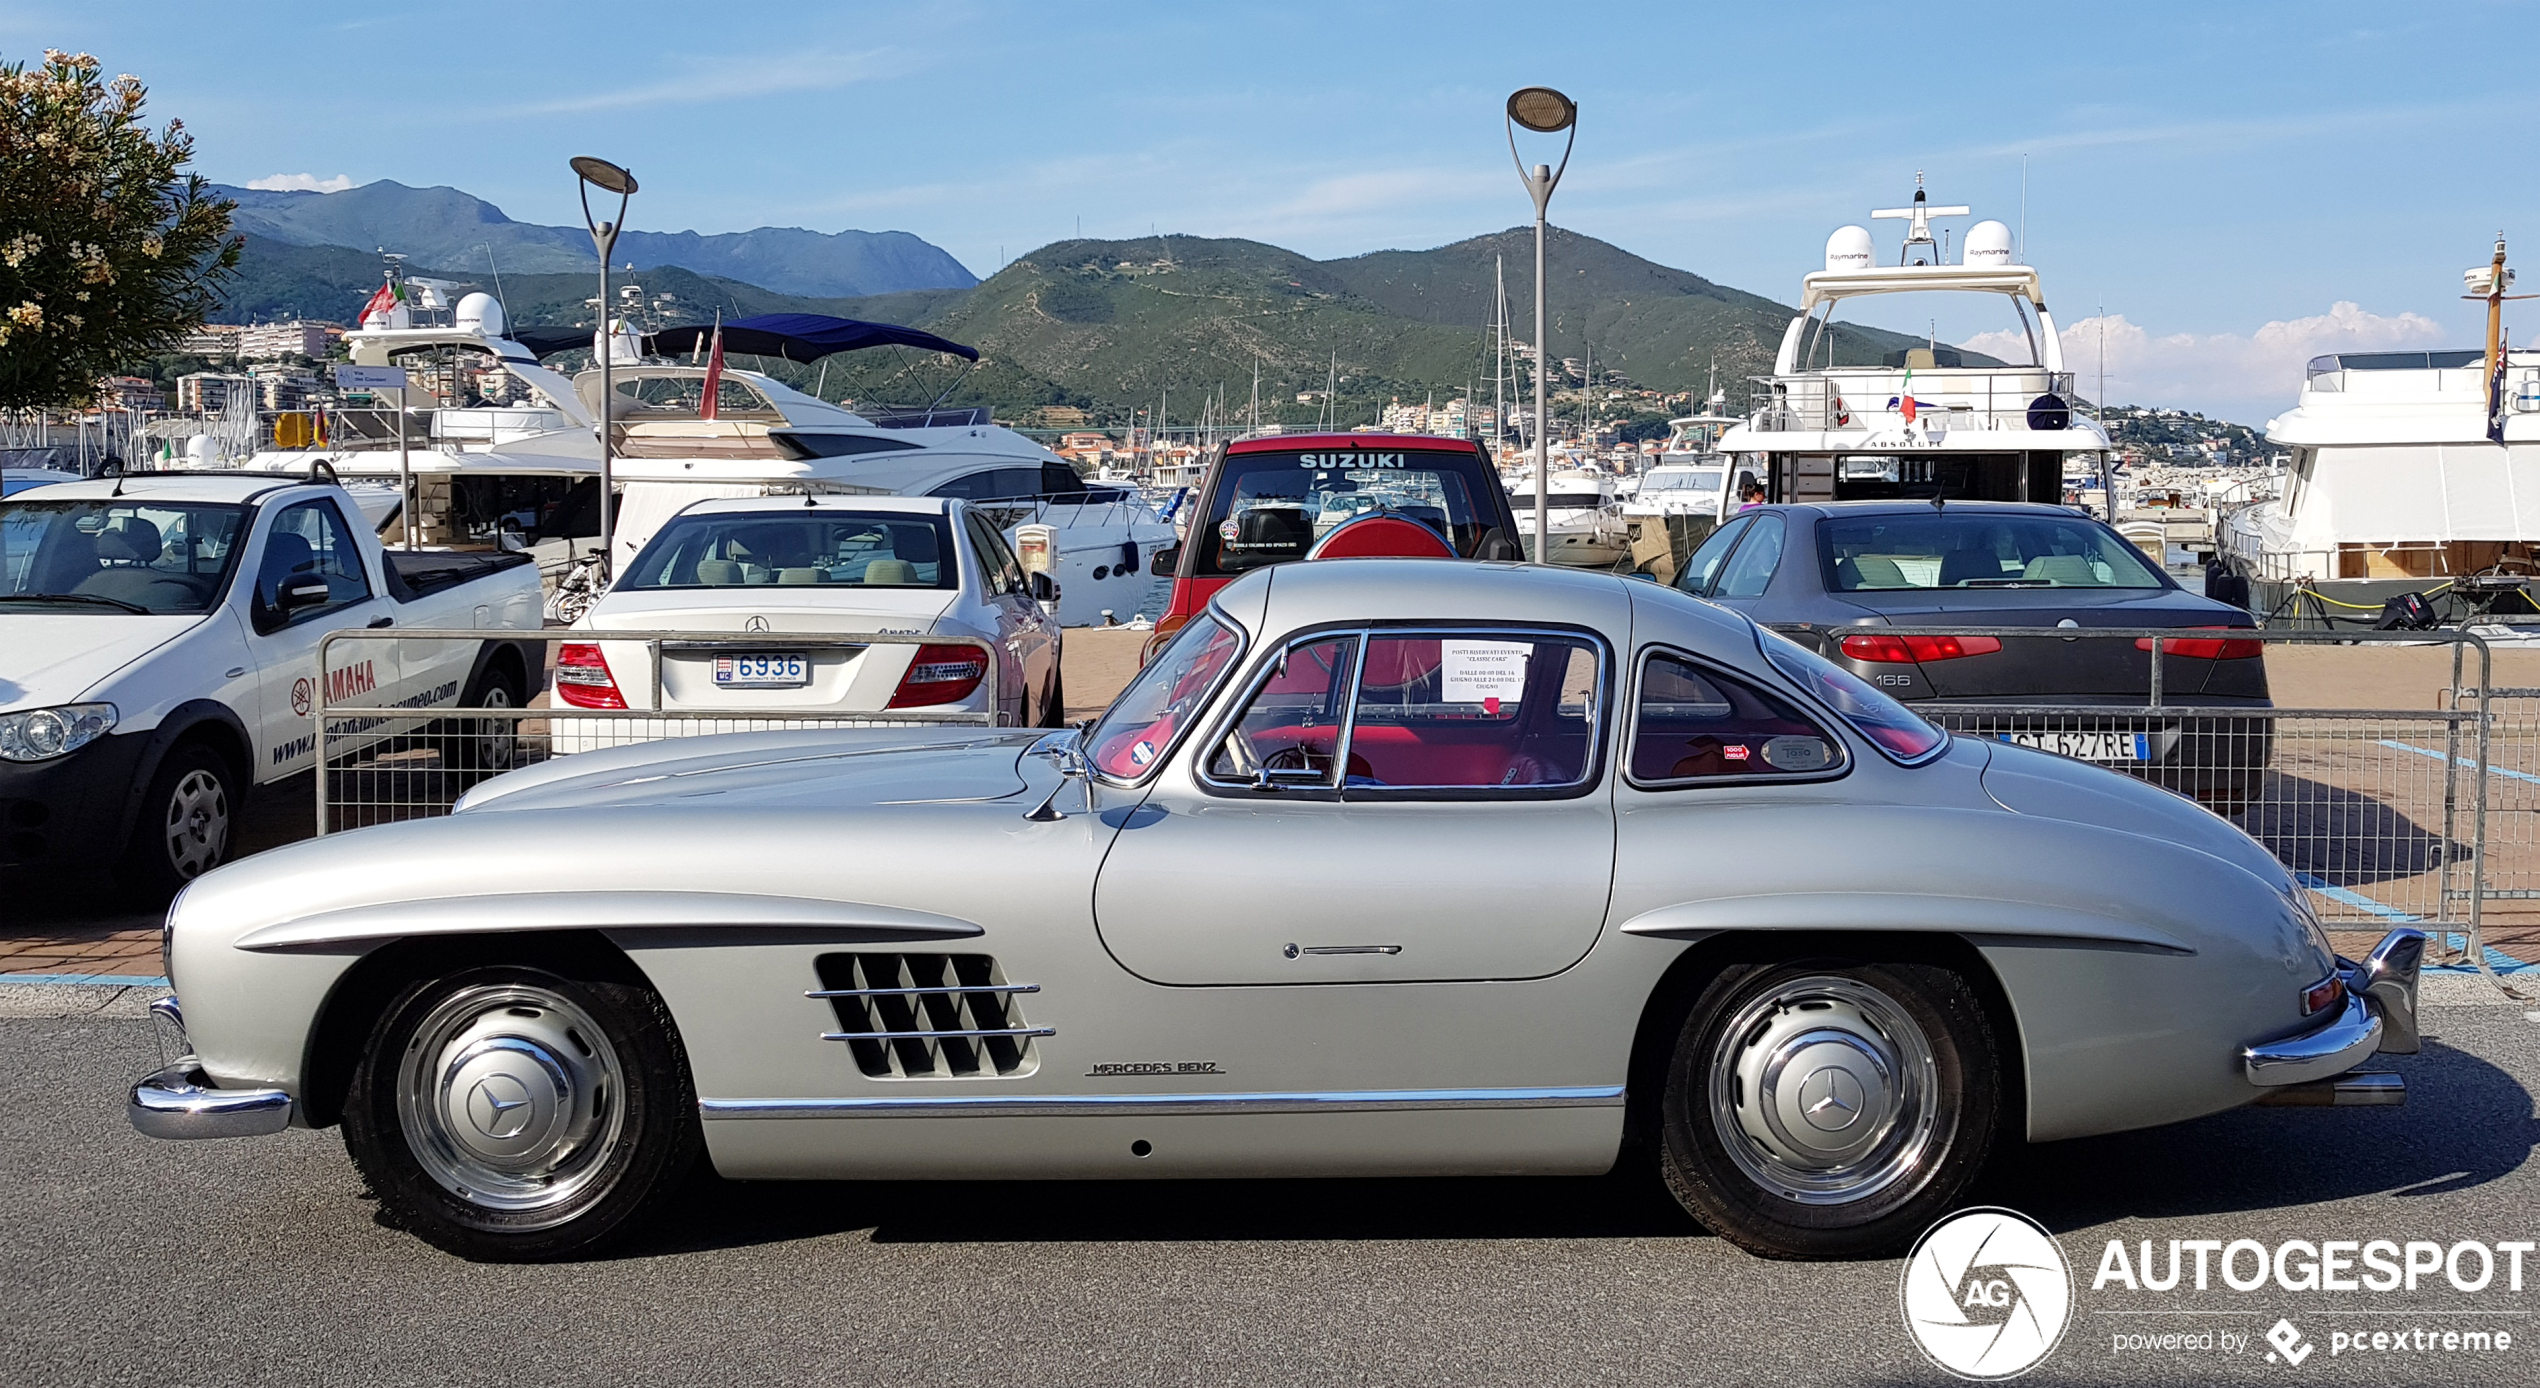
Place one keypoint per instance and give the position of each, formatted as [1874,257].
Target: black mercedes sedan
[1831,575]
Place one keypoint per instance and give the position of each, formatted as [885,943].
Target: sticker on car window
[1482,672]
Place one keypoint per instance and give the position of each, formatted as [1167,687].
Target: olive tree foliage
[109,251]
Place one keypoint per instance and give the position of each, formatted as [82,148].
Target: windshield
[1895,728]
[1271,507]
[117,555]
[1977,549]
[1674,480]
[1140,726]
[855,549]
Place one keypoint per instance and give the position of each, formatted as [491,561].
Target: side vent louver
[928,1016]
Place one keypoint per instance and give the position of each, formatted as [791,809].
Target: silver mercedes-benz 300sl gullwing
[1382,867]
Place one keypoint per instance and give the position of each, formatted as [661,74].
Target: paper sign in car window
[1482,672]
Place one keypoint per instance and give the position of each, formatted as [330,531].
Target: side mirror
[1043,587]
[1165,561]
[298,593]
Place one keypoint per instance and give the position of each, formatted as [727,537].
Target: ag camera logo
[1987,1293]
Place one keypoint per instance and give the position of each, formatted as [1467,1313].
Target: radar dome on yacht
[1988,243]
[481,313]
[1848,249]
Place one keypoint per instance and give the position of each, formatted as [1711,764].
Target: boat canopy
[1823,285]
[799,337]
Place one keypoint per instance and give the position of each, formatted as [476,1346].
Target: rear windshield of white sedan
[1976,549]
[853,549]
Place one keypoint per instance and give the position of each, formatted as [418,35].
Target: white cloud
[301,183]
[2248,379]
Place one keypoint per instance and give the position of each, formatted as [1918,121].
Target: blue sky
[2240,184]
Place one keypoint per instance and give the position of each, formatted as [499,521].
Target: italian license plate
[770,670]
[2088,746]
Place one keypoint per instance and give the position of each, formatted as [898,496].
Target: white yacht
[1583,527]
[765,437]
[1691,476]
[2401,481]
[1849,415]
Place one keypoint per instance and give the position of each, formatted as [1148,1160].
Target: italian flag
[383,302]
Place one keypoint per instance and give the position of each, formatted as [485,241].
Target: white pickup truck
[158,656]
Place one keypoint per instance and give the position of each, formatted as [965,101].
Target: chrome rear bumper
[2377,1014]
[179,1101]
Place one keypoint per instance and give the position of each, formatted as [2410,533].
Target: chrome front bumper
[2377,1014]
[178,1101]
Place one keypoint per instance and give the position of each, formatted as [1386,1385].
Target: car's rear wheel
[512,1114]
[486,744]
[1828,1108]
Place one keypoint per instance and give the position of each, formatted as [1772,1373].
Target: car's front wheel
[1828,1108]
[509,1113]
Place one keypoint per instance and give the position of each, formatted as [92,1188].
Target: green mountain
[444,226]
[1111,327]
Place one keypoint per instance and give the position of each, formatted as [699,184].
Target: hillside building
[276,341]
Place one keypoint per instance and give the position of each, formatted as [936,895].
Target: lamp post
[1547,112]
[609,178]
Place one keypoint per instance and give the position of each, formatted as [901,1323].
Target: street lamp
[1547,112]
[609,178]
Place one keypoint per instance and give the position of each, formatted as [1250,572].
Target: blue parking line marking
[2497,959]
[2357,900]
[2465,761]
[99,980]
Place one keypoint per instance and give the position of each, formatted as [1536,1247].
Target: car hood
[817,607]
[2045,607]
[57,657]
[828,768]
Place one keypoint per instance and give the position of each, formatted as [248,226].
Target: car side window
[310,538]
[1290,732]
[1691,724]
[1706,557]
[995,562]
[1752,566]
[1463,711]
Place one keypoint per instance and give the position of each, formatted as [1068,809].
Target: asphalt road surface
[129,1260]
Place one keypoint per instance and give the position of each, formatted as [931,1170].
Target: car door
[1388,806]
[302,539]
[1750,567]
[1022,628]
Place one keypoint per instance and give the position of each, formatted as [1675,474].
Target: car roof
[776,505]
[172,486]
[1282,443]
[1910,507]
[1282,598]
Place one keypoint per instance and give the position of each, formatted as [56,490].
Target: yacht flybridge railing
[1951,398]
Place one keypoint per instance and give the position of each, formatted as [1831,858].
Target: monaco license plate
[2087,746]
[767,670]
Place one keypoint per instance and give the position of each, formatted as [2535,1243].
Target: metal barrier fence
[413,757]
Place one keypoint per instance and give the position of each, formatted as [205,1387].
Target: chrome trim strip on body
[2336,1046]
[935,1035]
[922,992]
[177,1102]
[1117,1105]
